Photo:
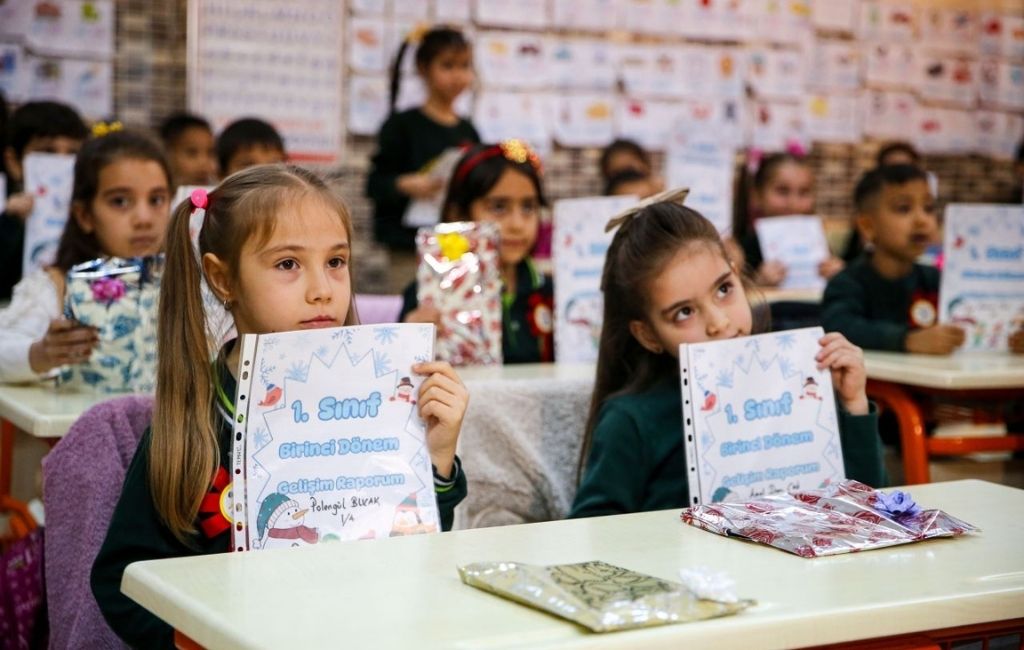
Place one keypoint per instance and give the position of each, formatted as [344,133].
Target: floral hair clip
[623,218]
[416,34]
[101,129]
[512,150]
[199,199]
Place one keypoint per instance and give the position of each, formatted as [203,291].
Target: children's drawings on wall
[949,29]
[776,125]
[887,20]
[776,73]
[582,64]
[945,79]
[512,59]
[836,66]
[892,65]
[832,118]
[999,133]
[888,114]
[530,14]
[982,288]
[583,119]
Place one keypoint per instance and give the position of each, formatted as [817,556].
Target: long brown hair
[184,450]
[641,248]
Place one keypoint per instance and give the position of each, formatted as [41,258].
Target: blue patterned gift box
[119,298]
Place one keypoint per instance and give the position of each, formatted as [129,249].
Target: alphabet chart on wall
[329,444]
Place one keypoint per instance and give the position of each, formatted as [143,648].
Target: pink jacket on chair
[82,479]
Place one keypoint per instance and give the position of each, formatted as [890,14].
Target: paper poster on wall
[726,20]
[835,15]
[651,71]
[529,14]
[888,114]
[798,241]
[15,17]
[832,118]
[887,20]
[12,71]
[1001,84]
[582,64]
[245,60]
[586,15]
[367,104]
[1001,35]
[651,16]
[456,12]
[892,65]
[583,119]
[998,133]
[776,125]
[646,121]
[48,180]
[74,28]
[707,169]
[786,23]
[412,9]
[943,130]
[711,72]
[512,59]
[835,66]
[331,446]
[717,120]
[949,29]
[775,73]
[948,79]
[578,252]
[370,7]
[86,85]
[367,40]
[500,115]
[762,417]
[982,287]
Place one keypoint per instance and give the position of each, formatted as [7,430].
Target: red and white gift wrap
[841,518]
[459,275]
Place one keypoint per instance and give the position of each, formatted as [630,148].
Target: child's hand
[846,361]
[419,186]
[937,339]
[771,273]
[19,205]
[424,314]
[442,403]
[1016,342]
[65,342]
[830,267]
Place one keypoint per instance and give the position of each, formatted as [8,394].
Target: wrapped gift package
[459,275]
[601,597]
[845,517]
[119,298]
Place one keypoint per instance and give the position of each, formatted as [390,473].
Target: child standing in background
[275,247]
[35,127]
[502,183]
[886,300]
[783,185]
[668,280]
[190,147]
[247,142]
[410,140]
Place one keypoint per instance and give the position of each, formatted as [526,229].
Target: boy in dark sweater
[885,300]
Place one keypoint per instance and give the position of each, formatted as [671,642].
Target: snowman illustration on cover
[403,391]
[810,389]
[280,523]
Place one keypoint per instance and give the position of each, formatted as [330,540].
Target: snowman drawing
[403,391]
[280,523]
[810,389]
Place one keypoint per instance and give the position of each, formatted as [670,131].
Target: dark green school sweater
[637,462]
[136,533]
[526,319]
[406,143]
[876,313]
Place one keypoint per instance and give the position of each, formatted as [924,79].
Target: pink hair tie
[199,198]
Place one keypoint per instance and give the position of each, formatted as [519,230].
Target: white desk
[405,592]
[959,371]
[895,378]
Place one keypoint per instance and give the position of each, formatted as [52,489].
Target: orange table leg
[911,422]
[182,642]
[6,457]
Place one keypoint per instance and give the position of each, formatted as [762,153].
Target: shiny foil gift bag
[599,596]
[459,275]
[845,517]
[119,298]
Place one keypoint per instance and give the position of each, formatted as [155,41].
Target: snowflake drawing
[265,371]
[725,377]
[381,363]
[385,335]
[786,367]
[297,371]
[786,340]
[322,352]
[262,438]
[345,335]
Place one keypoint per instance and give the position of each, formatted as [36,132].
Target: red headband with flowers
[513,150]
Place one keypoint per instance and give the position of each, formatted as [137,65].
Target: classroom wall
[150,83]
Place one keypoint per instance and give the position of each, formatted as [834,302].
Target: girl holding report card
[668,280]
[275,247]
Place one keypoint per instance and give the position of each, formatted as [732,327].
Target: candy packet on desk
[459,275]
[845,517]
[602,597]
[119,298]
